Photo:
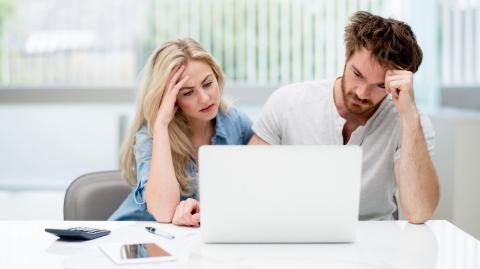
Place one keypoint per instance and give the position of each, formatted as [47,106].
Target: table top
[379,244]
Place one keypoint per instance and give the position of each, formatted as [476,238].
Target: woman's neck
[201,128]
[201,133]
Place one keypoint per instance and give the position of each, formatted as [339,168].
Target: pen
[160,233]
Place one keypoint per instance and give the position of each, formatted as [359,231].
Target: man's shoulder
[390,118]
[311,86]
[304,90]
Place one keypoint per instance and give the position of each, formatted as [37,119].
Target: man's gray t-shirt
[305,114]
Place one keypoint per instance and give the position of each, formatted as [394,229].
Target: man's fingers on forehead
[397,72]
[396,84]
[392,72]
[395,77]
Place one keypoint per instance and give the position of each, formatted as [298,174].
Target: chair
[95,196]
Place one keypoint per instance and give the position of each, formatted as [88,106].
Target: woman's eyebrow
[208,76]
[192,87]
[186,88]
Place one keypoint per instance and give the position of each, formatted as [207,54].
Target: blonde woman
[180,108]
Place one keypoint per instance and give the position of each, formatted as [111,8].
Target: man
[372,105]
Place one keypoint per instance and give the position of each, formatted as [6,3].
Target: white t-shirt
[305,114]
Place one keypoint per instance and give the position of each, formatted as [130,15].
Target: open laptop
[279,194]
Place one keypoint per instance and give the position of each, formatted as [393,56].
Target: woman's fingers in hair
[173,72]
[174,84]
[173,92]
[175,75]
[179,85]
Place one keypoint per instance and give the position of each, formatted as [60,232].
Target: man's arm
[256,140]
[416,177]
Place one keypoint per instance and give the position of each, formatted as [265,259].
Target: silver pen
[160,233]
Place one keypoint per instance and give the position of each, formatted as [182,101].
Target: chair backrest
[95,196]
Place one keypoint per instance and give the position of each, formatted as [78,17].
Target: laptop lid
[279,194]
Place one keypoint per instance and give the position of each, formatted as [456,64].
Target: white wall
[48,145]
[457,162]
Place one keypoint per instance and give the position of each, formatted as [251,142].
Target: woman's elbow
[163,215]
[160,210]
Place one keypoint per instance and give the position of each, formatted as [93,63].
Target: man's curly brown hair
[391,42]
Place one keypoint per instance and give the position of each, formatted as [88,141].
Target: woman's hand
[187,213]
[168,106]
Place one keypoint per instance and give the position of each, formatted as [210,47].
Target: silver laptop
[279,194]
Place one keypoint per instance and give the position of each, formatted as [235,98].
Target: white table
[438,244]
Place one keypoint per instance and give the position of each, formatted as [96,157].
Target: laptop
[279,194]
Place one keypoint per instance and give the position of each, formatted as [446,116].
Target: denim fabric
[231,128]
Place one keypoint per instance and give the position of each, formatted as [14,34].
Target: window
[92,43]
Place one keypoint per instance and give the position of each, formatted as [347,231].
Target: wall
[457,162]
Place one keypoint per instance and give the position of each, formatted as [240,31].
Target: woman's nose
[203,97]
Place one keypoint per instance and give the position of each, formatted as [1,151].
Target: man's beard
[353,108]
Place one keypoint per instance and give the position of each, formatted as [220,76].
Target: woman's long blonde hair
[154,80]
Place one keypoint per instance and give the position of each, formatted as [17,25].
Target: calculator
[78,233]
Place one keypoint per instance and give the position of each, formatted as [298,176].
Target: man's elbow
[418,219]
[422,210]
[419,216]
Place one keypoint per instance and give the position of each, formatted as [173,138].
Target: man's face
[363,83]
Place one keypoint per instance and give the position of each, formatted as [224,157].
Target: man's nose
[363,91]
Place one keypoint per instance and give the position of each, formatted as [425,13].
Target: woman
[180,109]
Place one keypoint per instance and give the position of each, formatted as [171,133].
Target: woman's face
[199,97]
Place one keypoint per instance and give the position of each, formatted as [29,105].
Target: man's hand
[399,83]
[187,213]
